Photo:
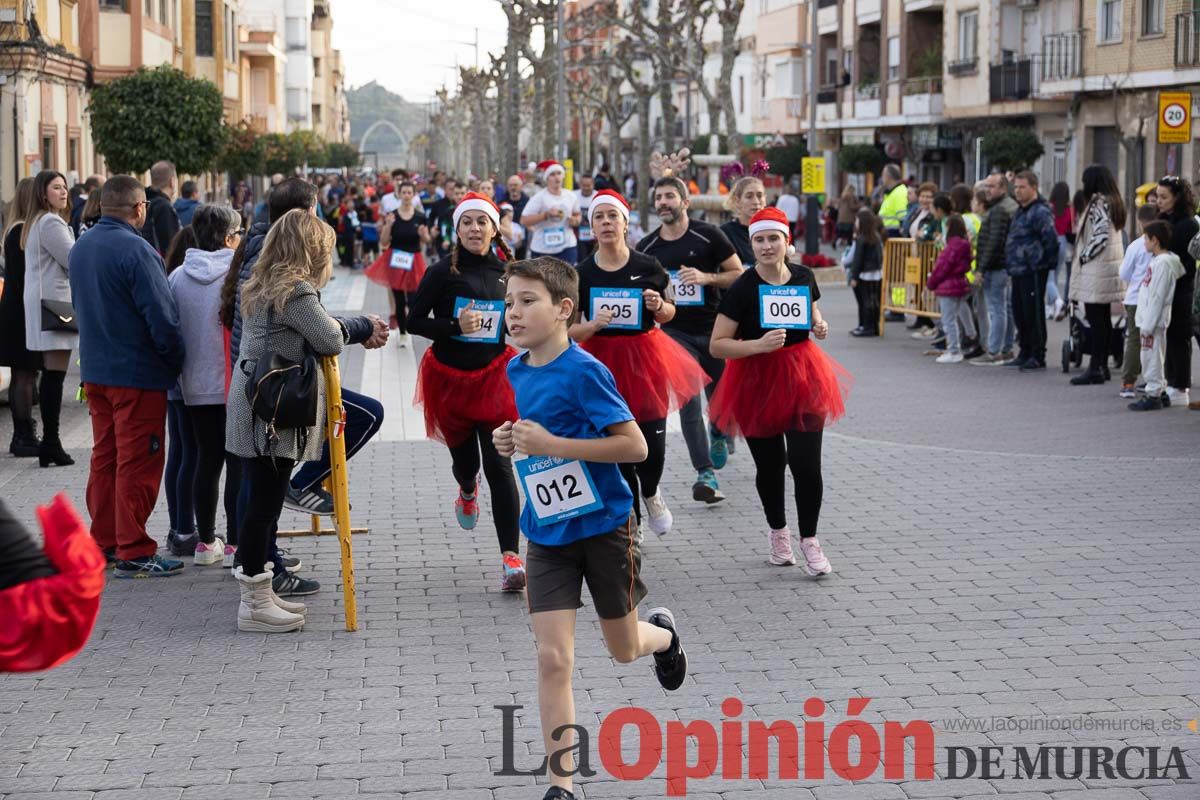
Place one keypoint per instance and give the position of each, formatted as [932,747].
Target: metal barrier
[906,266]
[338,486]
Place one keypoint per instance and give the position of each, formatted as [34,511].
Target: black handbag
[59,315]
[283,394]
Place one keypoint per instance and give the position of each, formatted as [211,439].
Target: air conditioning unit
[1027,3]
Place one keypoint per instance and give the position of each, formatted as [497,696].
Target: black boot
[25,443]
[1093,374]
[51,452]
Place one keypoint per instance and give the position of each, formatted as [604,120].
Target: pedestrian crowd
[1009,258]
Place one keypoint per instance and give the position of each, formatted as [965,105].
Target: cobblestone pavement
[1005,548]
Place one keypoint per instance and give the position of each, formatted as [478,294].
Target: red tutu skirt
[653,372]
[795,388]
[402,280]
[456,401]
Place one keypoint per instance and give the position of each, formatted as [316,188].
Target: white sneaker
[403,339]
[229,556]
[207,554]
[1178,397]
[949,358]
[659,515]
[815,562]
[781,547]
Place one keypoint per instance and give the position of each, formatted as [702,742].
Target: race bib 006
[557,488]
[785,307]
[625,305]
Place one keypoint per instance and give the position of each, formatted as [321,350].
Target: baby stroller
[1079,340]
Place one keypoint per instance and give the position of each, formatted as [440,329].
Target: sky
[409,46]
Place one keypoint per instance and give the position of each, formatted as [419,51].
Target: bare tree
[718,98]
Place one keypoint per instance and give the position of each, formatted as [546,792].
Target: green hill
[371,103]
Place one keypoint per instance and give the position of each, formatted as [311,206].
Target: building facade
[43,92]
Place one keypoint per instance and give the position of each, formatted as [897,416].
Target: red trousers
[128,454]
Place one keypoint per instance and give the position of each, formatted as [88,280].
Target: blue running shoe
[718,450]
[467,511]
[154,566]
[705,488]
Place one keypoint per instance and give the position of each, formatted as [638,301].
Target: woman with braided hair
[463,383]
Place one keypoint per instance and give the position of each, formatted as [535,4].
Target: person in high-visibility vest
[895,201]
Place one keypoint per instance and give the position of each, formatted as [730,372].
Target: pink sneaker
[230,555]
[781,548]
[514,574]
[207,554]
[815,562]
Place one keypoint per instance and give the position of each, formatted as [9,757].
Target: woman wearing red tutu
[402,266]
[780,389]
[623,294]
[463,381]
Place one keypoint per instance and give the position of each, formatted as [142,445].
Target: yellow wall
[114,40]
[156,50]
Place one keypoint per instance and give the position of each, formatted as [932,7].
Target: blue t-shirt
[574,396]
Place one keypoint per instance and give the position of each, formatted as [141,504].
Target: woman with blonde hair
[24,362]
[47,240]
[747,197]
[283,317]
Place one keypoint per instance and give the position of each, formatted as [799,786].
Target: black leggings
[867,295]
[402,316]
[1100,322]
[268,482]
[20,396]
[208,425]
[506,504]
[801,452]
[649,472]
[1177,363]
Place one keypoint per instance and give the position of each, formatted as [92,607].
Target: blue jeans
[180,470]
[364,416]
[997,295]
[569,255]
[951,311]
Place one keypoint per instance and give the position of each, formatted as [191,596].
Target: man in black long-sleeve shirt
[162,223]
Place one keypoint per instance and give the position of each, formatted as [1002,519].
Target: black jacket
[162,223]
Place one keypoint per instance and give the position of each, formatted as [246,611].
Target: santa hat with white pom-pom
[772,219]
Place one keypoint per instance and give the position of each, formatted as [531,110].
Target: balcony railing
[1187,39]
[963,66]
[929,85]
[1062,56]
[867,91]
[1014,80]
[827,94]
[826,3]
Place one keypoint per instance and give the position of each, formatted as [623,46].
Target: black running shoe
[291,585]
[671,665]
[558,793]
[182,545]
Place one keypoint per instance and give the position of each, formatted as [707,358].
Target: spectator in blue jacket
[131,352]
[185,206]
[1030,252]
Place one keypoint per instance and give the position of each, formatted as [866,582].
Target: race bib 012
[556,488]
[625,305]
[686,294]
[493,320]
[785,307]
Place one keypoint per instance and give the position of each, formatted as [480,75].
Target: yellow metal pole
[335,429]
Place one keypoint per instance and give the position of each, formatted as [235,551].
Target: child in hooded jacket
[949,282]
[1154,312]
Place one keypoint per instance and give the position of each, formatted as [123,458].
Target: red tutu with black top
[795,388]
[402,280]
[456,401]
[653,372]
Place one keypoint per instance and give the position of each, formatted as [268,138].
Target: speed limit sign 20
[1174,117]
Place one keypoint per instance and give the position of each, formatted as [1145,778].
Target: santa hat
[772,219]
[474,201]
[607,197]
[550,166]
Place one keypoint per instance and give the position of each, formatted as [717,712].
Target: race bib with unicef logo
[402,260]
[557,488]
[493,320]
[686,294]
[785,307]
[624,304]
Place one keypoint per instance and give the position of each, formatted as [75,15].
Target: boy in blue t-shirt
[574,429]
